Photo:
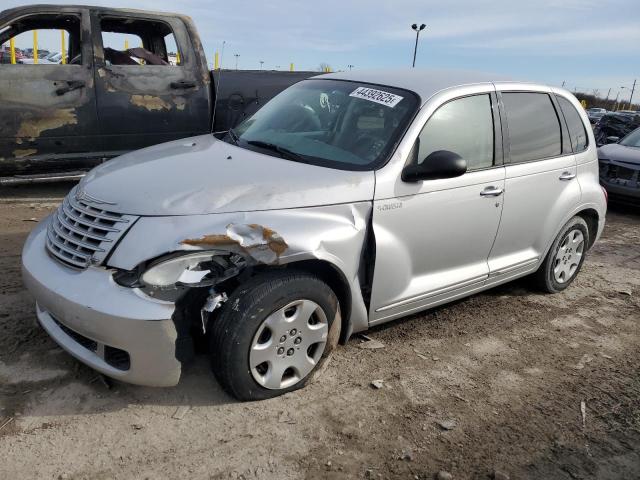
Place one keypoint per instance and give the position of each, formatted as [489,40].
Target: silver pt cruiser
[349,200]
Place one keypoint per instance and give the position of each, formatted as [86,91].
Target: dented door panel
[48,111]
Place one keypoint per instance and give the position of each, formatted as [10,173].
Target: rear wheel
[272,334]
[565,257]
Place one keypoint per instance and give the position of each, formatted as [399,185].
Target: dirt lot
[507,369]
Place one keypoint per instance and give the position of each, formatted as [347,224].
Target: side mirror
[613,139]
[439,164]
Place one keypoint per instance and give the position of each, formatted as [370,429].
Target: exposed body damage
[332,238]
[334,235]
[260,243]
[47,110]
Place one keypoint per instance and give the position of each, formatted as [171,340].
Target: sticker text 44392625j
[377,96]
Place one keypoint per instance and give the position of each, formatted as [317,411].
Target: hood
[619,153]
[202,175]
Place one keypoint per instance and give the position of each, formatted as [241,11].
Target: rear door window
[533,125]
[577,132]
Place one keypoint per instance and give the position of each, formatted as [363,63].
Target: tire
[257,323]
[565,257]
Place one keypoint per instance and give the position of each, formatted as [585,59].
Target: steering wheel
[297,118]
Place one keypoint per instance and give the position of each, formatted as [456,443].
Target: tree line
[609,104]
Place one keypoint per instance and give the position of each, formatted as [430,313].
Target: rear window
[577,131]
[534,127]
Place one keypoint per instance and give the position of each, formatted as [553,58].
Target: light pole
[417,29]
[261,63]
[623,88]
[631,95]
[615,104]
[237,55]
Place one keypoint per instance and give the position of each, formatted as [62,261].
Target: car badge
[83,196]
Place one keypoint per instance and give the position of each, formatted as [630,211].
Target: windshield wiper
[284,152]
[233,136]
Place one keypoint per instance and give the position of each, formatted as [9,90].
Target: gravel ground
[488,387]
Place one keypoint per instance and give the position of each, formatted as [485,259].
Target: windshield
[632,140]
[333,123]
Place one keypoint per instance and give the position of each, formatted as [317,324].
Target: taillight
[606,195]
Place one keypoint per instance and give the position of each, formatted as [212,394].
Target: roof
[424,82]
[62,8]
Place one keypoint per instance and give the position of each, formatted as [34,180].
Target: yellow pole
[63,49]
[35,46]
[126,44]
[216,61]
[177,58]
[291,67]
[12,46]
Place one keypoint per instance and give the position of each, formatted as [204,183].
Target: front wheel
[565,257]
[273,333]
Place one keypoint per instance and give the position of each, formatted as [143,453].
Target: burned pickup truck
[100,101]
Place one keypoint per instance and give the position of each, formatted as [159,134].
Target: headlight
[184,270]
[167,277]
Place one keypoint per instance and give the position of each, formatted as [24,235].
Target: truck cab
[127,79]
[100,101]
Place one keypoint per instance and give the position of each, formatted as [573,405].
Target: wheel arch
[592,218]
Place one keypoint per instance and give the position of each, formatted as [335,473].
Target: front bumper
[622,190]
[92,317]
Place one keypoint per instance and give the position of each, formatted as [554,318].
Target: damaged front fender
[334,234]
[261,243]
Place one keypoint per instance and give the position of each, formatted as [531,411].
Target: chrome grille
[80,234]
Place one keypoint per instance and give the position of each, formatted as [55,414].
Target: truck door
[152,82]
[48,114]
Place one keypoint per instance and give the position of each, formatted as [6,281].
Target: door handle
[566,176]
[182,84]
[491,192]
[71,85]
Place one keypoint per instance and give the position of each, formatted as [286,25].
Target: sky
[588,44]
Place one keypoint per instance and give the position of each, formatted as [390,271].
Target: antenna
[217,87]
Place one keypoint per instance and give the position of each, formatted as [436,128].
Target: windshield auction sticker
[378,96]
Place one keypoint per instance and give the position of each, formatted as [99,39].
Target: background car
[5,55]
[620,168]
[45,58]
[595,115]
[55,57]
[615,125]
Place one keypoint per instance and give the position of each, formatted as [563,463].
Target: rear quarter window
[533,126]
[577,131]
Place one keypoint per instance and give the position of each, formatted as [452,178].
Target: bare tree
[324,67]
